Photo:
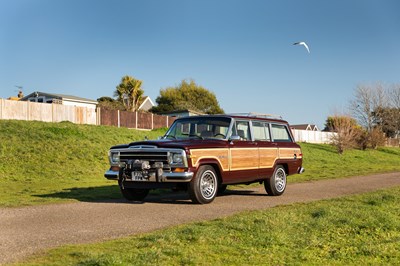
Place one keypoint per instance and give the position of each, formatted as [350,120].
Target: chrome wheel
[276,184]
[208,184]
[280,180]
[204,185]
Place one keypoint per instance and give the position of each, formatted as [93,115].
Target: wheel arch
[283,164]
[215,164]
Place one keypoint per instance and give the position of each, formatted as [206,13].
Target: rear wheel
[276,184]
[204,185]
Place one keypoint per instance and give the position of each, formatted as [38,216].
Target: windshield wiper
[194,135]
[169,136]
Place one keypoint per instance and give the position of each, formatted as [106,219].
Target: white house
[146,104]
[43,97]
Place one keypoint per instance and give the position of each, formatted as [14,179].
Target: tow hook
[159,173]
[122,179]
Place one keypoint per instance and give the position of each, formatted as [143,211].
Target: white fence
[312,136]
[21,110]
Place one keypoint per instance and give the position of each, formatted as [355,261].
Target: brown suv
[204,154]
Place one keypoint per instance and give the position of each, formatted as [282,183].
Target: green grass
[321,161]
[52,162]
[44,163]
[355,230]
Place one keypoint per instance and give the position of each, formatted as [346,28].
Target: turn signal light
[115,168]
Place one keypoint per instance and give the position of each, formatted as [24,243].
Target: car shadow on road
[111,194]
[86,194]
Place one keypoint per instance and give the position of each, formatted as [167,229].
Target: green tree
[109,103]
[332,122]
[129,93]
[187,96]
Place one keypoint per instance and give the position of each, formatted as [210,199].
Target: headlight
[177,159]
[113,157]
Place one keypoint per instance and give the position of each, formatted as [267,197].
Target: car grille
[150,156]
[146,156]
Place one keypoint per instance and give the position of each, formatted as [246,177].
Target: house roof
[185,111]
[305,127]
[144,100]
[58,96]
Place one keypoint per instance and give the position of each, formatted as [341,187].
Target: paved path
[24,231]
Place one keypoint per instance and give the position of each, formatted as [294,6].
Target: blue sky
[240,50]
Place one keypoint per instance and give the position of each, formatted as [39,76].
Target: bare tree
[394,101]
[377,137]
[346,132]
[394,96]
[367,103]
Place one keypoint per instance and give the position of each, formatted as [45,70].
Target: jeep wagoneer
[205,154]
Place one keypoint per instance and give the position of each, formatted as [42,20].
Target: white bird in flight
[304,44]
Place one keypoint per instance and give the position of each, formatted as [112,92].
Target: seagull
[304,44]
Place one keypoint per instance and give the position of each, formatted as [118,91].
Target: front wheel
[276,184]
[134,194]
[204,185]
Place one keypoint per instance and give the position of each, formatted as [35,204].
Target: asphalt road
[24,231]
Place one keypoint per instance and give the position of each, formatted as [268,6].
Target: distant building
[43,97]
[13,98]
[181,113]
[308,127]
[146,104]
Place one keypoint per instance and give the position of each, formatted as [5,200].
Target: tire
[134,194]
[276,184]
[204,185]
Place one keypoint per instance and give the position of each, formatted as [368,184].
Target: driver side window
[243,130]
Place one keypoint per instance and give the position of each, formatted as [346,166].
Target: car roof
[247,116]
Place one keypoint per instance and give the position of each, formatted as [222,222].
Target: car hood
[180,144]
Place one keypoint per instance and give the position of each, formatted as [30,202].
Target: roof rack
[260,115]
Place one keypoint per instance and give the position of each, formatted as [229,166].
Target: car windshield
[199,128]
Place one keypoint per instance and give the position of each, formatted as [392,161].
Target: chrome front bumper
[166,176]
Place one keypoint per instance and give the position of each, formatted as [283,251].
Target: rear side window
[280,133]
[261,131]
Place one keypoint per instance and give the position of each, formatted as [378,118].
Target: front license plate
[137,176]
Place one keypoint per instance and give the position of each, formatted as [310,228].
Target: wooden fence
[24,110]
[136,120]
[393,142]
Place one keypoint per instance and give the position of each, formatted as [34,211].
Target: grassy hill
[53,162]
[46,162]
